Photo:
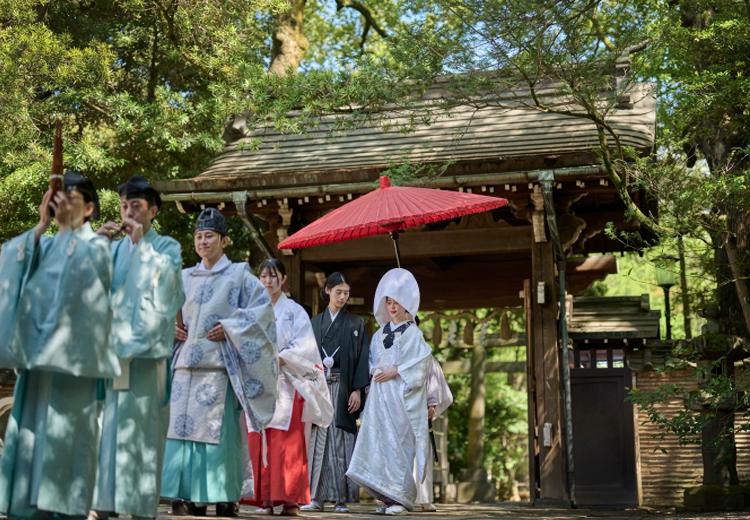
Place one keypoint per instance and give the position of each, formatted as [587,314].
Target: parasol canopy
[389,209]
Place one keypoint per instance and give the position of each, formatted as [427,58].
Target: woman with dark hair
[303,399]
[344,348]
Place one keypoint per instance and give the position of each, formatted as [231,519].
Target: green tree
[505,419]
[140,87]
[149,86]
[695,52]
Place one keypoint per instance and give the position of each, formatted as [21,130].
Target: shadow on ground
[507,511]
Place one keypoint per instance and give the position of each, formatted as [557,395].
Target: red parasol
[389,209]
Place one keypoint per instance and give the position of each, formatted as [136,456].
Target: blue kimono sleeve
[250,354]
[16,264]
[146,305]
[73,337]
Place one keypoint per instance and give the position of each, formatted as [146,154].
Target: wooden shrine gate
[277,183]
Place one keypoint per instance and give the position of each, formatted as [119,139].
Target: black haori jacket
[348,332]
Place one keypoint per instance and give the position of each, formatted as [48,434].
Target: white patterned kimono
[394,424]
[228,294]
[205,371]
[302,370]
[440,396]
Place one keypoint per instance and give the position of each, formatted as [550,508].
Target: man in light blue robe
[54,327]
[146,296]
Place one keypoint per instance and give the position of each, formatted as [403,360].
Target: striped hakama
[329,453]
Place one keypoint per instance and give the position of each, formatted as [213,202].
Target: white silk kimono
[302,370]
[394,424]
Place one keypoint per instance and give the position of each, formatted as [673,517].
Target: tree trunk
[736,270]
[687,320]
[718,139]
[288,50]
[289,41]
[730,265]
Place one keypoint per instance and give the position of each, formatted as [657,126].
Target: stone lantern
[716,355]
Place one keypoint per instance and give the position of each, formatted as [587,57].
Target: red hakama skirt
[285,479]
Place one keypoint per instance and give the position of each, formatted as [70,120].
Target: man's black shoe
[180,508]
[228,509]
[197,510]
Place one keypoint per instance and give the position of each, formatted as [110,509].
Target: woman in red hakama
[284,480]
[302,392]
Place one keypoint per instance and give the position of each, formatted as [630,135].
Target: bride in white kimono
[394,429]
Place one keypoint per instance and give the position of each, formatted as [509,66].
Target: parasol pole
[394,237]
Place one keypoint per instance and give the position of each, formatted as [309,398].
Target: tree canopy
[151,86]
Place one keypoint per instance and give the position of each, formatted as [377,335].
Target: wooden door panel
[603,438]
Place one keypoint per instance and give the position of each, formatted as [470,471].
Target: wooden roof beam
[203,191]
[421,244]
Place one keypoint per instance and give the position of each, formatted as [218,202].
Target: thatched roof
[500,129]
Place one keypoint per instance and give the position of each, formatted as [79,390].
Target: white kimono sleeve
[303,366]
[439,393]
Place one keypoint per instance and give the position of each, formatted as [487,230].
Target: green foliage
[145,86]
[694,52]
[718,396]
[636,275]
[140,87]
[506,424]
[21,192]
[703,64]
[506,430]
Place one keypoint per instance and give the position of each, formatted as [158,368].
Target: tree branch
[369,20]
[603,131]
[600,31]
[621,188]
[153,75]
[96,107]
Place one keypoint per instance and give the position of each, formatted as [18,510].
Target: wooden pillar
[296,277]
[546,367]
[476,409]
[533,444]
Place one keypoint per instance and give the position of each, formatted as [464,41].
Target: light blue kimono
[146,295]
[55,316]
